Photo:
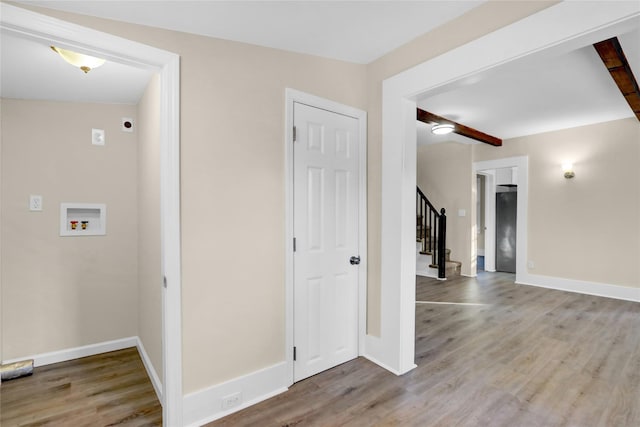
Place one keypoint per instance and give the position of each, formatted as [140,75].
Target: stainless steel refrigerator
[506,220]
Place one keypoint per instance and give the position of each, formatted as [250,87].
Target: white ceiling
[523,98]
[31,70]
[354,31]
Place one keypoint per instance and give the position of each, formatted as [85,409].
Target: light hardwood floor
[110,389]
[510,356]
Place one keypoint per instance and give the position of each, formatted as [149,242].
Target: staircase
[433,259]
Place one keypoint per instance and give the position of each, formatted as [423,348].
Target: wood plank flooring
[510,355]
[110,389]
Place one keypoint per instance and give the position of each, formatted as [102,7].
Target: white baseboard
[78,352]
[151,372]
[375,351]
[388,368]
[65,355]
[204,406]
[426,273]
[590,288]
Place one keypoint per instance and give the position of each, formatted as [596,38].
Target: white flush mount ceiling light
[442,129]
[85,62]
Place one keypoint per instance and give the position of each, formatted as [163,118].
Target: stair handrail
[435,223]
[422,196]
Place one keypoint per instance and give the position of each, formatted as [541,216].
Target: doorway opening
[566,30]
[502,240]
[481,215]
[497,194]
[23,23]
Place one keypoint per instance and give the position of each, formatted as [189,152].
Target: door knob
[354,260]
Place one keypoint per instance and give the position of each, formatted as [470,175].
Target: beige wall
[232,141]
[586,228]
[149,244]
[482,20]
[232,163]
[444,175]
[63,292]
[232,109]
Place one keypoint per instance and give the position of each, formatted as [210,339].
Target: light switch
[462,212]
[35,203]
[97,136]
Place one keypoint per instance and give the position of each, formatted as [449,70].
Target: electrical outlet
[35,203]
[231,400]
[531,265]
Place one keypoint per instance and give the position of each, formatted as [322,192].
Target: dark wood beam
[616,62]
[430,118]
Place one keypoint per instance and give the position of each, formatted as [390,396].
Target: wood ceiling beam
[460,129]
[616,62]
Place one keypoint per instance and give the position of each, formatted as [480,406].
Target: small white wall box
[83,219]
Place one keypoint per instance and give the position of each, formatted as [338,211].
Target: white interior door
[326,191]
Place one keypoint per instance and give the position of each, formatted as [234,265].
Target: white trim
[522,227]
[171,242]
[396,344]
[66,354]
[489,220]
[292,96]
[27,24]
[151,371]
[471,304]
[560,28]
[363,233]
[582,287]
[31,25]
[428,272]
[288,231]
[372,346]
[204,406]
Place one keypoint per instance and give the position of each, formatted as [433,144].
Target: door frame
[489,219]
[568,25]
[292,96]
[488,168]
[27,24]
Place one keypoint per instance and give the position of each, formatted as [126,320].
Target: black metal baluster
[435,224]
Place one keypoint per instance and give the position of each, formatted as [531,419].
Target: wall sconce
[567,168]
[85,62]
